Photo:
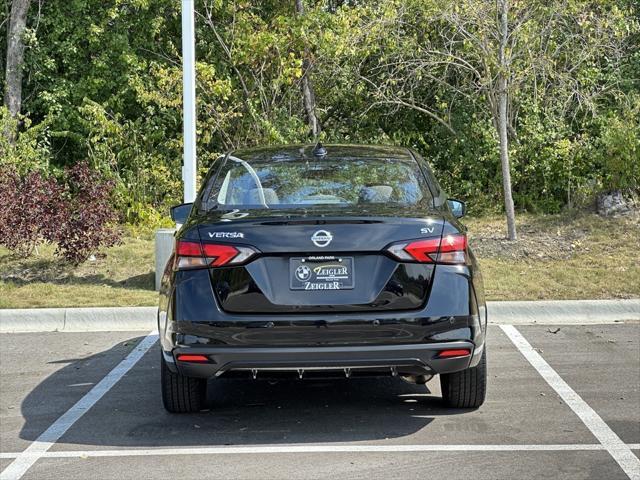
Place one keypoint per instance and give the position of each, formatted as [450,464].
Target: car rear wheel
[468,388]
[181,394]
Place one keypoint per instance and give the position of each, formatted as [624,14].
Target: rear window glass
[303,184]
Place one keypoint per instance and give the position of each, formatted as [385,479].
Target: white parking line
[620,451]
[255,450]
[51,435]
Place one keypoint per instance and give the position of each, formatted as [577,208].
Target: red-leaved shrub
[90,222]
[75,213]
[32,209]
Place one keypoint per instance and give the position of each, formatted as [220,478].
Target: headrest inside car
[375,194]
[270,197]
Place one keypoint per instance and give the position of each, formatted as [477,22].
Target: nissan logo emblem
[321,238]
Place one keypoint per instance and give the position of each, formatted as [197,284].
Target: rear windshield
[304,184]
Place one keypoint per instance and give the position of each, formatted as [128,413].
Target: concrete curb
[99,319]
[109,319]
[563,312]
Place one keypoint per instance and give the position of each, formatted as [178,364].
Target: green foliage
[618,149]
[30,152]
[103,82]
[140,157]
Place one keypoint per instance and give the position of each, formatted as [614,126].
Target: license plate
[321,273]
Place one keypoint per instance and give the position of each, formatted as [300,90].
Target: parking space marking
[255,450]
[620,451]
[51,435]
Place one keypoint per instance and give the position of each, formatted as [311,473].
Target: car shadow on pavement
[239,411]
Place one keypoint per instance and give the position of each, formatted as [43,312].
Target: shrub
[75,213]
[90,216]
[33,209]
[619,150]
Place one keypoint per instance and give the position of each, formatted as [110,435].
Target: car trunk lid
[345,254]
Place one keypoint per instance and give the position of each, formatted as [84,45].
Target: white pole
[189,99]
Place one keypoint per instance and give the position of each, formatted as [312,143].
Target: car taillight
[197,255]
[451,249]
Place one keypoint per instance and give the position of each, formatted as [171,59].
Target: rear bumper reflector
[460,352]
[183,357]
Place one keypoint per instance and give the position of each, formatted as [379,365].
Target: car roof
[283,153]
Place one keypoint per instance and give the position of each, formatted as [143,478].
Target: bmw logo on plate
[303,273]
[321,238]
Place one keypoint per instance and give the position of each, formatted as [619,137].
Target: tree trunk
[15,58]
[502,122]
[308,95]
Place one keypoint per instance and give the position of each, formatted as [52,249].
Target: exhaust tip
[416,379]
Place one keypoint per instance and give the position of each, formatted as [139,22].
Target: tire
[468,388]
[181,394]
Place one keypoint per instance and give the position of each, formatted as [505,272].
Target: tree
[308,94]
[502,120]
[102,83]
[495,56]
[15,59]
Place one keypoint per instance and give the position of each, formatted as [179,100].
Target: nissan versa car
[321,261]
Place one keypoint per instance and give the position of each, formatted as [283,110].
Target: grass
[120,276]
[576,256]
[583,256]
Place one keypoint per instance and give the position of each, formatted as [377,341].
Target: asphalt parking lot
[561,404]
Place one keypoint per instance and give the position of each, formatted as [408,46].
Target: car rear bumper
[420,359]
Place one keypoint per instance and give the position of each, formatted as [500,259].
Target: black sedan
[321,261]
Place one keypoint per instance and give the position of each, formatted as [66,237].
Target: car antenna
[319,150]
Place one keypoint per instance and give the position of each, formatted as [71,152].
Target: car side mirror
[180,213]
[457,207]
